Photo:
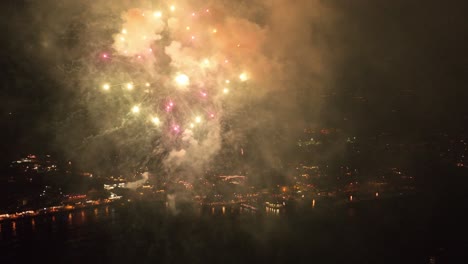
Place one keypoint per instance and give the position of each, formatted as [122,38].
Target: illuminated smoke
[138,183]
[174,77]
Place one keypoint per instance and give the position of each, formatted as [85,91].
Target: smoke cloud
[138,183]
[181,89]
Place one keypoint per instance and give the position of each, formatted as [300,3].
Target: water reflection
[70,219]
[13,227]
[60,222]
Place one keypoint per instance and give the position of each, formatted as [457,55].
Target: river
[405,230]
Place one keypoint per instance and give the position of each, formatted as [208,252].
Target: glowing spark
[182,80]
[243,77]
[188,28]
[122,38]
[147,84]
[157,14]
[215,30]
[198,119]
[193,14]
[227,81]
[192,125]
[124,31]
[130,86]
[204,94]
[212,115]
[226,61]
[155,120]
[193,37]
[207,10]
[172,8]
[150,50]
[169,106]
[105,56]
[106,86]
[225,90]
[136,109]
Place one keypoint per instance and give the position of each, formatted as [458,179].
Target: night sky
[398,66]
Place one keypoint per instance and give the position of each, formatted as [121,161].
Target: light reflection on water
[95,231]
[13,227]
[56,223]
[61,223]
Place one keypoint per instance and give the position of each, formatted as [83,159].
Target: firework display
[180,71]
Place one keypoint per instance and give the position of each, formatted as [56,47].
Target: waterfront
[405,230]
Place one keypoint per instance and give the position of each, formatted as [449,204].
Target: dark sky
[399,66]
[407,58]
